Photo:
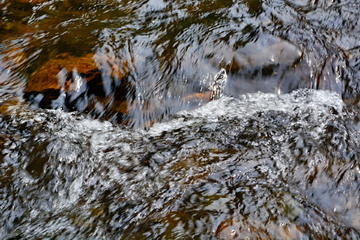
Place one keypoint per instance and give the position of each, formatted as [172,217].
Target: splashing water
[276,165]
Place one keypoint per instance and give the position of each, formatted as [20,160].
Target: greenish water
[128,145]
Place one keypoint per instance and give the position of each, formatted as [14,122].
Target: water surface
[179,120]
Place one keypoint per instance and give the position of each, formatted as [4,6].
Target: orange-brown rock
[95,96]
[46,77]
[198,97]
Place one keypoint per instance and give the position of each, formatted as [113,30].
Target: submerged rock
[196,97]
[263,53]
[71,82]
[47,77]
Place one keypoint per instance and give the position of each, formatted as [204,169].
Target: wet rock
[48,77]
[71,82]
[264,52]
[282,52]
[197,97]
[260,54]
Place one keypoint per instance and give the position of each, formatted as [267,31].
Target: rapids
[258,165]
[155,119]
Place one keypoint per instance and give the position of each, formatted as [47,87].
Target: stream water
[241,119]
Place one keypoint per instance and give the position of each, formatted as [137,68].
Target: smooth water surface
[179,119]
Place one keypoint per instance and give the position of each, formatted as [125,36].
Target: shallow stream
[179,119]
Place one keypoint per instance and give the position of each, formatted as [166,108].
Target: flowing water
[179,119]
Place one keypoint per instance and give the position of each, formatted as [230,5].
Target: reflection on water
[179,120]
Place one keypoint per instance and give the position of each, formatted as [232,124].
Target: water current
[179,119]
